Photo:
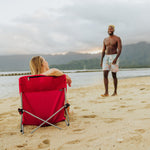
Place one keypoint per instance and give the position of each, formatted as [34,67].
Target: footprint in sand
[111,120]
[89,116]
[20,146]
[4,114]
[91,140]
[13,105]
[113,108]
[14,114]
[46,141]
[77,130]
[44,144]
[77,107]
[73,142]
[91,101]
[123,106]
[101,102]
[84,109]
[130,110]
[13,133]
[140,130]
[142,89]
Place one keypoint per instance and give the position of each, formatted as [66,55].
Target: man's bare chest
[110,42]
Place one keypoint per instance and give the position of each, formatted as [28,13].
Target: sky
[58,26]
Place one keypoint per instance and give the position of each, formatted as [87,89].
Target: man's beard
[110,33]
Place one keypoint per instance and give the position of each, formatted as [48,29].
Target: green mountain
[21,62]
[79,65]
[133,55]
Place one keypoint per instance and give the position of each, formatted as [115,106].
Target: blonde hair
[36,65]
[112,26]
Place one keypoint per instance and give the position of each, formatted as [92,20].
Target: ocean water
[9,84]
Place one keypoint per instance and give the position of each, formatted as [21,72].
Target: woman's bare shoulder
[49,72]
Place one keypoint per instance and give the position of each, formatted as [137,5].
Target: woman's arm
[69,81]
[57,72]
[53,72]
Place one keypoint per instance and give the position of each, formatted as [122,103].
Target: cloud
[79,25]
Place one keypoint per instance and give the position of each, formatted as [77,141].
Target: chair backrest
[42,96]
[34,83]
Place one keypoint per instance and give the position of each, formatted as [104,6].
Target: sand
[114,123]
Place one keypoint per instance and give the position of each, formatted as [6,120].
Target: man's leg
[105,73]
[114,75]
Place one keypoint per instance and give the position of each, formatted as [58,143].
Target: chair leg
[66,106]
[21,110]
[21,126]
[67,118]
[22,129]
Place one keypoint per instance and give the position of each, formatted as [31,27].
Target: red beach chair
[43,101]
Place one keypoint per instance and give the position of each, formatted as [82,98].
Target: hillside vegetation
[133,55]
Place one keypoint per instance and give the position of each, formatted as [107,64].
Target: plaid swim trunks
[107,63]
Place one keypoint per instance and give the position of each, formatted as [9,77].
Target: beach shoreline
[115,123]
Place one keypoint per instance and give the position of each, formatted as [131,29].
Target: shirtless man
[110,58]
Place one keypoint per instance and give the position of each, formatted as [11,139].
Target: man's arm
[103,53]
[119,49]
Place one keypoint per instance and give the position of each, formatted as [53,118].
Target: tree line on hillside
[132,56]
[79,65]
[95,64]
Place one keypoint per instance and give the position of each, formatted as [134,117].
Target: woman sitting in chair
[38,65]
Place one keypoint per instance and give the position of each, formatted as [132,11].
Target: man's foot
[105,95]
[114,94]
